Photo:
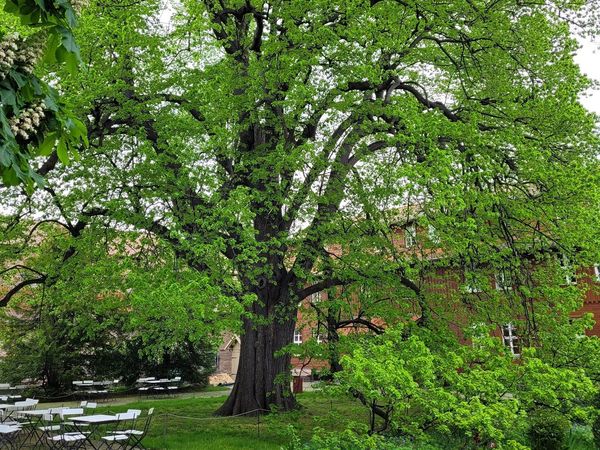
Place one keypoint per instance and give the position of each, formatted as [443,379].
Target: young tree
[254,136]
[464,396]
[119,309]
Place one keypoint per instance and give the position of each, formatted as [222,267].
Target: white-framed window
[410,236]
[319,337]
[511,339]
[568,270]
[597,272]
[504,281]
[432,234]
[297,337]
[316,297]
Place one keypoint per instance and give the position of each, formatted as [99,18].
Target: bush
[596,431]
[354,437]
[548,430]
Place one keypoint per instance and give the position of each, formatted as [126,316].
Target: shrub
[596,431]
[353,438]
[548,430]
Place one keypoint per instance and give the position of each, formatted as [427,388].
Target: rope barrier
[165,417]
[213,417]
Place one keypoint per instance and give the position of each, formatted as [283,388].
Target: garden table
[3,407]
[11,398]
[162,385]
[94,422]
[36,415]
[93,388]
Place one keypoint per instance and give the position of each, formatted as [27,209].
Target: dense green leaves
[118,309]
[473,396]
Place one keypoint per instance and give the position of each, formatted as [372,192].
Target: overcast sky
[588,58]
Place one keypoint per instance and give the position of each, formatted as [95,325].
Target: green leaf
[70,16]
[8,97]
[68,40]
[11,7]
[9,177]
[31,19]
[78,130]
[47,145]
[51,104]
[26,10]
[53,44]
[61,151]
[71,60]
[5,156]
[18,78]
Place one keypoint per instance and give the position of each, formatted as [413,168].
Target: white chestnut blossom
[31,50]
[9,46]
[28,121]
[78,5]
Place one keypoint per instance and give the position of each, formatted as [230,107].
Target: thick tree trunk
[263,379]
[333,340]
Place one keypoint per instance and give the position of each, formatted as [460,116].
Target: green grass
[210,388]
[195,426]
[189,424]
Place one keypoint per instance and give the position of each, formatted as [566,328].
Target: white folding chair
[48,427]
[120,439]
[136,436]
[67,440]
[8,436]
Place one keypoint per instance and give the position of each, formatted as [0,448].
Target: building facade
[440,281]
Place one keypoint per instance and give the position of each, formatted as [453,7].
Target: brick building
[444,282]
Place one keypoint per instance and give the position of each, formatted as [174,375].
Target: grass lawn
[197,428]
[188,423]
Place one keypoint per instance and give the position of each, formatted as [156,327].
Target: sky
[588,58]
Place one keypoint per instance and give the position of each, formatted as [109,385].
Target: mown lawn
[190,424]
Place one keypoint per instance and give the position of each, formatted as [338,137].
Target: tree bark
[333,339]
[263,378]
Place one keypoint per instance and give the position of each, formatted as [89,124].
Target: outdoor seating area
[161,386]
[94,389]
[10,394]
[22,425]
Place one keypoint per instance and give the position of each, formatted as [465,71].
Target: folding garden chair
[48,426]
[136,436]
[68,425]
[8,436]
[118,439]
[72,441]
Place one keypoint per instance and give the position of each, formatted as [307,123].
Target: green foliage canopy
[282,148]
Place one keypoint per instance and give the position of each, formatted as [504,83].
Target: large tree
[279,146]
